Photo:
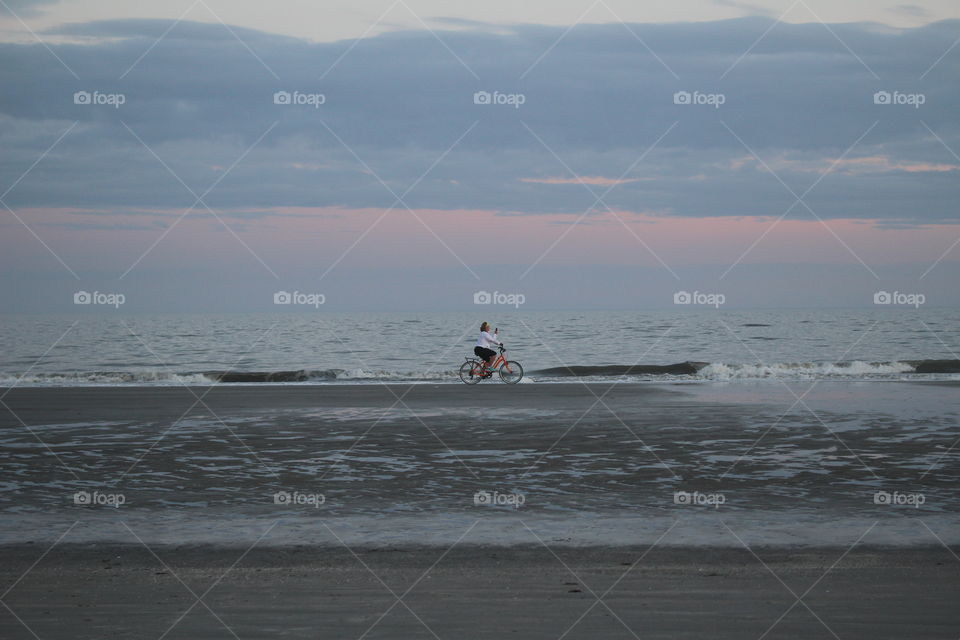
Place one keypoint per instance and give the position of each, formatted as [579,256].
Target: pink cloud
[312,238]
[592,180]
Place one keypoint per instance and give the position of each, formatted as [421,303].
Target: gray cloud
[200,98]
[910,10]
[25,8]
[747,6]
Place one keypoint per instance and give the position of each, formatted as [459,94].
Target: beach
[514,507]
[407,320]
[480,592]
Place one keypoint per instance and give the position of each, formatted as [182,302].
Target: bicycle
[474,370]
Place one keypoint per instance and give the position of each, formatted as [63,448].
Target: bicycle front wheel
[469,372]
[511,372]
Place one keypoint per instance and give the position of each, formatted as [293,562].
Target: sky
[204,155]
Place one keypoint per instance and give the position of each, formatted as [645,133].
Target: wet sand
[577,461]
[560,446]
[478,592]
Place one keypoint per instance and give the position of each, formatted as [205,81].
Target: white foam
[143,377]
[803,370]
[361,374]
[720,371]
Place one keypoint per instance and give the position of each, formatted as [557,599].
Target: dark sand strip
[478,592]
[37,405]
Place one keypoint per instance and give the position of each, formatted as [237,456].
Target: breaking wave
[733,371]
[690,370]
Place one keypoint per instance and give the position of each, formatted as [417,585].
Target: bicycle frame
[474,369]
[497,363]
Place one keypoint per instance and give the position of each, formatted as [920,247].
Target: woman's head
[485,326]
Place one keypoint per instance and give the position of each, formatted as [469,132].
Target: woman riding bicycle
[487,361]
[487,340]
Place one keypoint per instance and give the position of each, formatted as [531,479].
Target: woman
[487,340]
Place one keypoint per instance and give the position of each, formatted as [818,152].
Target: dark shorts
[483,353]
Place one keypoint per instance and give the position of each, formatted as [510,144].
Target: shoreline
[530,378]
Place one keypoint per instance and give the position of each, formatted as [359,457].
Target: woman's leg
[487,362]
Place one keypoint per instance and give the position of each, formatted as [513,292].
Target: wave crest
[855,369]
[679,371]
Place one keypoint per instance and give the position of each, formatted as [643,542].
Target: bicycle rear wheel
[511,372]
[469,372]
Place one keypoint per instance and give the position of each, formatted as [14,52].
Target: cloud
[910,10]
[600,181]
[394,107]
[746,7]
[25,8]
[152,29]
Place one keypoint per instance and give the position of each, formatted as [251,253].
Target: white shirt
[487,340]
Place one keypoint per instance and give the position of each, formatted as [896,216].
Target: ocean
[331,348]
